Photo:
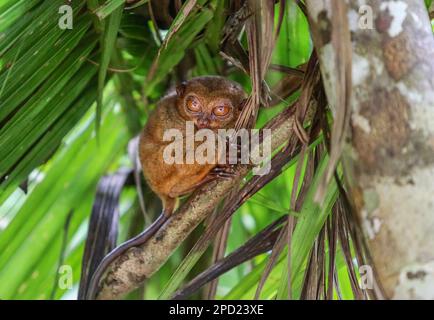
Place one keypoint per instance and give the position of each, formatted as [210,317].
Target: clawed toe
[225,172]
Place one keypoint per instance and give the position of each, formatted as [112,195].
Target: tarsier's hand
[227,169]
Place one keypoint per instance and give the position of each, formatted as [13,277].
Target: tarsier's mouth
[203,125]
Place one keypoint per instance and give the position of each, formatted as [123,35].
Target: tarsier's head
[211,102]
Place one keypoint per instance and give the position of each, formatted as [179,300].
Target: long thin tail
[119,251]
[103,225]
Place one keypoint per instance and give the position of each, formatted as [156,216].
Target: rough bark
[431,11]
[138,263]
[389,159]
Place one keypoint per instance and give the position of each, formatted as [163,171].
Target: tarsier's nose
[202,123]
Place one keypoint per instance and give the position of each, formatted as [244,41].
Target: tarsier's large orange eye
[193,104]
[222,110]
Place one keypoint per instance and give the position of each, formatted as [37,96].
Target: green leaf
[48,143]
[35,67]
[108,41]
[311,220]
[9,15]
[72,176]
[108,8]
[177,41]
[39,112]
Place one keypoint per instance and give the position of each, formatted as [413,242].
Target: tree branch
[129,270]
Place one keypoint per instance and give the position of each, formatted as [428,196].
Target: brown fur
[169,181]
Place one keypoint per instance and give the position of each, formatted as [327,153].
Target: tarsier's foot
[224,171]
[234,156]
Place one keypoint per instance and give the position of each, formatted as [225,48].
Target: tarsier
[210,102]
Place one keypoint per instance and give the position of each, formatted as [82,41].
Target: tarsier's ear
[180,89]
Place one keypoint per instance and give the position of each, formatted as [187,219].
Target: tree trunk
[390,157]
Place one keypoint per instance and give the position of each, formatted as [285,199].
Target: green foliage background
[71,100]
